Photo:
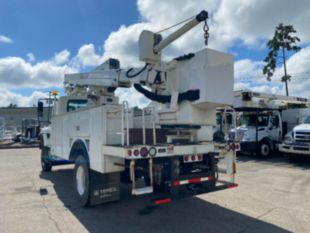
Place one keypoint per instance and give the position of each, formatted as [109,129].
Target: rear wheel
[46,165]
[82,180]
[265,149]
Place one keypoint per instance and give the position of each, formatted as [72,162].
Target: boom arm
[109,76]
[202,16]
[151,44]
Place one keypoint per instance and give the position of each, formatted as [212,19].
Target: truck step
[141,191]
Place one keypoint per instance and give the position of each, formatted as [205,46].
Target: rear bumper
[295,148]
[220,185]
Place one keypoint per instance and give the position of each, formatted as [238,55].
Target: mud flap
[104,187]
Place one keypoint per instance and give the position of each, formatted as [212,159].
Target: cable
[136,74]
[165,29]
[190,95]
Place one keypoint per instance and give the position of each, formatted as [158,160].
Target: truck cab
[259,131]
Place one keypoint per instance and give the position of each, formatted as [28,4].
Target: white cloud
[123,44]
[133,97]
[250,20]
[247,69]
[87,56]
[5,39]
[16,73]
[61,57]
[8,97]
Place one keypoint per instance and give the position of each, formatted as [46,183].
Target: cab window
[275,121]
[73,105]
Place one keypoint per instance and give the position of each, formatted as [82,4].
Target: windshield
[307,120]
[219,118]
[74,105]
[250,120]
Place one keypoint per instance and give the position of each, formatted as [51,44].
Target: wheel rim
[80,180]
[264,150]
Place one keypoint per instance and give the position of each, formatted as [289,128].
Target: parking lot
[273,196]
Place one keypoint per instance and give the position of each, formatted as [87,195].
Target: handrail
[124,114]
[143,126]
[154,126]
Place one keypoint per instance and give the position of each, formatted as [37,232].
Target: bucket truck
[264,119]
[167,148]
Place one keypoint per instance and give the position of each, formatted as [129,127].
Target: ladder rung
[141,191]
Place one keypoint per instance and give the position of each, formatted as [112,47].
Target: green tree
[282,42]
[12,105]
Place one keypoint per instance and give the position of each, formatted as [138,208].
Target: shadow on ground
[186,215]
[301,162]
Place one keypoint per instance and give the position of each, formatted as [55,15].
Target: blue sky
[46,27]
[41,40]
[43,27]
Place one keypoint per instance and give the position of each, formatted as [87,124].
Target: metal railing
[124,115]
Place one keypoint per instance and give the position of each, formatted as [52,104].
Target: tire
[17,138]
[41,143]
[46,165]
[82,180]
[265,149]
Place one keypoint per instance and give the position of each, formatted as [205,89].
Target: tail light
[136,152]
[144,152]
[129,153]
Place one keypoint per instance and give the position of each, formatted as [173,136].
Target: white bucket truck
[264,119]
[170,153]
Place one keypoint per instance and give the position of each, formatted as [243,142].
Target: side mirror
[40,109]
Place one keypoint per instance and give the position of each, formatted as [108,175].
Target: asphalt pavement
[273,196]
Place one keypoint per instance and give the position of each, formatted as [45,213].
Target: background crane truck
[168,149]
[264,120]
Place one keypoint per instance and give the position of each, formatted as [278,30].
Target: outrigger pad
[104,187]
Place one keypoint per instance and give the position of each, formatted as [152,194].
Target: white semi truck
[168,149]
[264,119]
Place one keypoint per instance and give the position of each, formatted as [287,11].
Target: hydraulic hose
[190,95]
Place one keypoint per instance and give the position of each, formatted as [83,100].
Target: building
[13,117]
